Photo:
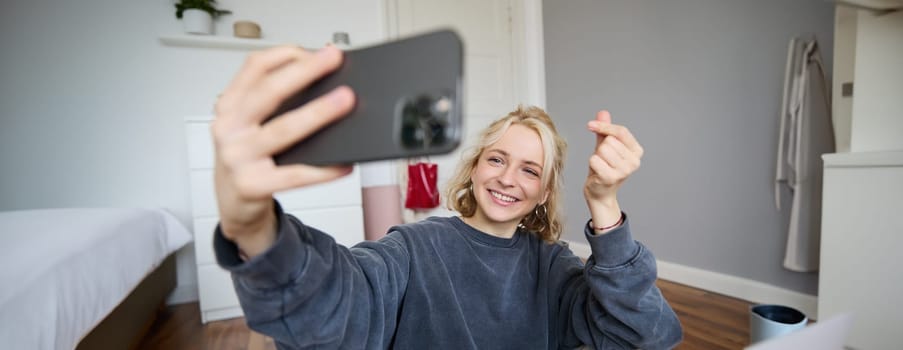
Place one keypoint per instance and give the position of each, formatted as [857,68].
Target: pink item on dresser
[382,210]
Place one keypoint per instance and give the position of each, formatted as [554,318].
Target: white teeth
[503,197]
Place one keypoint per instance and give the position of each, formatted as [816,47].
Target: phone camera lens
[425,121]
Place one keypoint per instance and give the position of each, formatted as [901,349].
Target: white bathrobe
[806,133]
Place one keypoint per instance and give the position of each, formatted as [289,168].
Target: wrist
[606,228]
[253,244]
[254,238]
[605,214]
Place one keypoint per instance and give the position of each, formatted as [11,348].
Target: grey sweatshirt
[441,284]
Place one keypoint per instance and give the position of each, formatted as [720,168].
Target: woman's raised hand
[245,174]
[615,157]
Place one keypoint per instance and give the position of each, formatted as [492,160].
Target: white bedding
[63,270]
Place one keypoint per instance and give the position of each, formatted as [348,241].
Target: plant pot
[197,22]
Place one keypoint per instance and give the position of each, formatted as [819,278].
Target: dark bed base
[127,324]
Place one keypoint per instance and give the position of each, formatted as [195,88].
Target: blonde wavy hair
[545,220]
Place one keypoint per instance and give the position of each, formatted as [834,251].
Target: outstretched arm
[306,291]
[612,301]
[294,282]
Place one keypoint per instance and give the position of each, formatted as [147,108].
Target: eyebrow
[530,162]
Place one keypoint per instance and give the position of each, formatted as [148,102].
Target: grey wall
[699,83]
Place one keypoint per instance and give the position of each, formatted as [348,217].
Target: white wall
[92,105]
[877,122]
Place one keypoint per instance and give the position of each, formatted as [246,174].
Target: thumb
[602,117]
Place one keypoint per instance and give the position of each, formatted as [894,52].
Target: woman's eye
[495,160]
[532,172]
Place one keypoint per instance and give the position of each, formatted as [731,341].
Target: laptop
[828,335]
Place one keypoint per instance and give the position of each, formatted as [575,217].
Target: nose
[506,178]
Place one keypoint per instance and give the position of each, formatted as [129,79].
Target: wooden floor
[710,321]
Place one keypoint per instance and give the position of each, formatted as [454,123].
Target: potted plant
[197,15]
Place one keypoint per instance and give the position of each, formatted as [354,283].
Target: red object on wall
[422,188]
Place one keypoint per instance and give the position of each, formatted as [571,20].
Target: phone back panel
[408,103]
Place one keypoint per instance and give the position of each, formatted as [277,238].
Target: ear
[545,197]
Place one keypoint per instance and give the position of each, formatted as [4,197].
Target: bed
[84,277]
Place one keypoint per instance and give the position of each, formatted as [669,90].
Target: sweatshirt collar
[484,237]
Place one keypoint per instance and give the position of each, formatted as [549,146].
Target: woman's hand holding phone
[245,175]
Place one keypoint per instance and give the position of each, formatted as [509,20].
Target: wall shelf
[220,42]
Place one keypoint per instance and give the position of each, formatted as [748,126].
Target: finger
[230,102]
[298,124]
[268,93]
[298,175]
[631,160]
[258,63]
[618,147]
[264,181]
[602,118]
[610,154]
[620,132]
[601,169]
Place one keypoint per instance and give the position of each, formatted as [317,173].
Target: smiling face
[493,203]
[507,181]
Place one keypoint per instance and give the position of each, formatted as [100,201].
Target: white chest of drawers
[333,207]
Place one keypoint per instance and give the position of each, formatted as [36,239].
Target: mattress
[63,270]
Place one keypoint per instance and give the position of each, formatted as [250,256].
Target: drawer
[203,240]
[203,197]
[215,289]
[345,224]
[342,192]
[345,191]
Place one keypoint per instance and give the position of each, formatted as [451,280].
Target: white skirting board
[733,286]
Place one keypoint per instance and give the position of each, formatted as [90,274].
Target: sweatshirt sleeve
[612,302]
[306,291]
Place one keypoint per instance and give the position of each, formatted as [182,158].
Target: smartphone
[408,103]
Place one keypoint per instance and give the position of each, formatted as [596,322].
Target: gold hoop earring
[544,212]
[539,221]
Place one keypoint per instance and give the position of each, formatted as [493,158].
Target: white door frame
[530,68]
[529,58]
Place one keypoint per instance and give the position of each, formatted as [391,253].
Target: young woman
[496,277]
